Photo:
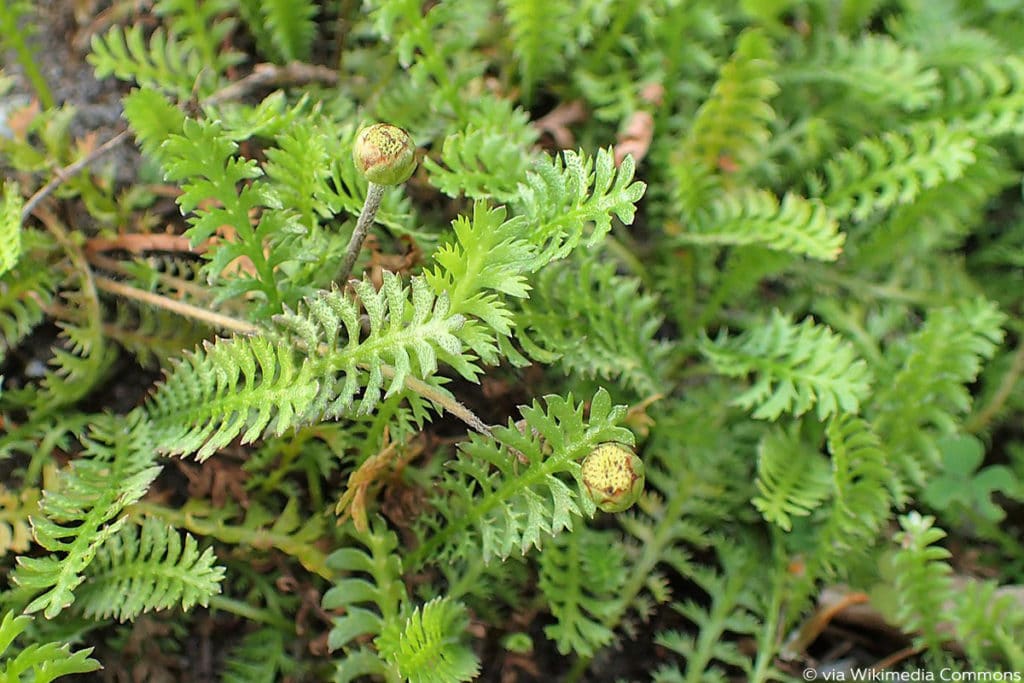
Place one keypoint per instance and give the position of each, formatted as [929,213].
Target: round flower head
[384,154]
[613,477]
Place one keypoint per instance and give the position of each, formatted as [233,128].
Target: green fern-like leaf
[38,662]
[299,168]
[580,573]
[81,514]
[986,97]
[878,173]
[685,496]
[81,363]
[25,292]
[305,371]
[860,491]
[874,71]
[563,196]
[203,160]
[504,494]
[487,162]
[154,335]
[595,324]
[925,397]
[939,217]
[541,38]
[792,478]
[427,648]
[153,119]
[149,568]
[10,227]
[987,621]
[285,28]
[164,62]
[260,657]
[733,606]
[487,259]
[921,579]
[733,122]
[798,367]
[797,226]
[203,25]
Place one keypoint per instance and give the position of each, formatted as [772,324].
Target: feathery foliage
[580,578]
[303,370]
[485,162]
[929,391]
[792,479]
[878,173]
[260,657]
[877,70]
[148,568]
[780,259]
[202,159]
[562,196]
[861,495]
[540,47]
[427,649]
[487,259]
[798,367]
[26,291]
[921,577]
[733,604]
[80,515]
[161,62]
[733,122]
[522,499]
[284,28]
[595,323]
[797,225]
[987,97]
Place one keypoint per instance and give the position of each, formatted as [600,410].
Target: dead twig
[274,76]
[68,171]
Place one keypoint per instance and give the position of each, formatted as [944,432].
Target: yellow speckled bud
[384,154]
[613,477]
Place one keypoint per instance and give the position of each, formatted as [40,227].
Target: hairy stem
[374,195]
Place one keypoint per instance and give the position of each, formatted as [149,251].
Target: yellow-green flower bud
[384,154]
[613,477]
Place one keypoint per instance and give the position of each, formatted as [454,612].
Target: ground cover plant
[684,343]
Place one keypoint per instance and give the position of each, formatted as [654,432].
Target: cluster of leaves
[781,261]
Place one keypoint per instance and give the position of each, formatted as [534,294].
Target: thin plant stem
[272,76]
[374,195]
[211,318]
[247,611]
[71,169]
[439,397]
